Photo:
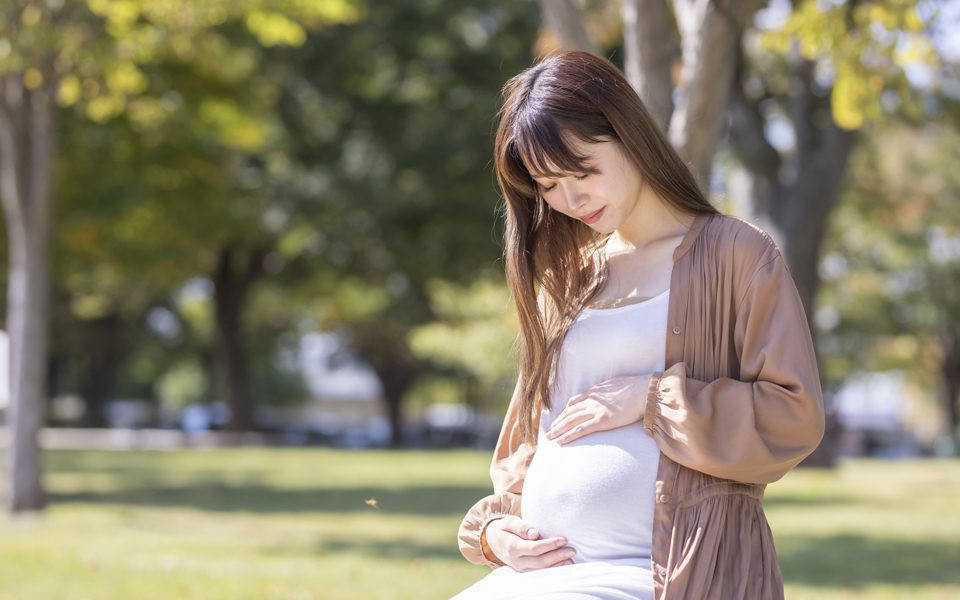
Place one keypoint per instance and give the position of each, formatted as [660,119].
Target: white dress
[597,491]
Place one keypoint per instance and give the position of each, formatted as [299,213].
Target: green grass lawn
[292,524]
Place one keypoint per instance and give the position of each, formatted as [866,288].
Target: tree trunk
[563,18]
[950,368]
[229,358]
[710,34]
[397,369]
[395,384]
[26,157]
[649,51]
[104,354]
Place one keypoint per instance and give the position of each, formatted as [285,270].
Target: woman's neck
[652,221]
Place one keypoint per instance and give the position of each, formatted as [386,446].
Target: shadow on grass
[394,549]
[428,501]
[856,561]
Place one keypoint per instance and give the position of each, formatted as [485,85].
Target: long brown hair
[585,96]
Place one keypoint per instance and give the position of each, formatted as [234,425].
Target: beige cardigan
[738,405]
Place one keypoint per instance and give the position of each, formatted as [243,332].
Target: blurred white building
[346,392]
[872,401]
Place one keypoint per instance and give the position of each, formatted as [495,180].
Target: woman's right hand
[516,544]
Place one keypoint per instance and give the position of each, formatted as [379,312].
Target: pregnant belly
[597,491]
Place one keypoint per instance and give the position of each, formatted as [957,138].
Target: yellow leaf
[69,91]
[32,79]
[913,22]
[30,15]
[126,78]
[809,49]
[273,29]
[103,108]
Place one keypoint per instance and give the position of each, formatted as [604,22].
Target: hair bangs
[541,145]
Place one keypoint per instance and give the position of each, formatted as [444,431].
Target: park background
[257,328]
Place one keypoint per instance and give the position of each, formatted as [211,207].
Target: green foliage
[394,117]
[433,389]
[185,382]
[891,259]
[277,386]
[474,332]
[864,48]
[102,52]
[172,120]
[472,337]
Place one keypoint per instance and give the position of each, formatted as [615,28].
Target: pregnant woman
[667,372]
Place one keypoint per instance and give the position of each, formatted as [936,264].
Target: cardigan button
[676,329]
[663,499]
[649,431]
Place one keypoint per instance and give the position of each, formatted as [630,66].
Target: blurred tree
[92,54]
[891,266]
[395,117]
[473,336]
[810,71]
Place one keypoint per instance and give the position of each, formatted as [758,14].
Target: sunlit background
[272,244]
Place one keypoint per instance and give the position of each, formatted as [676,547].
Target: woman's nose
[575,198]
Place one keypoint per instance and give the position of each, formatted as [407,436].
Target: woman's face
[603,200]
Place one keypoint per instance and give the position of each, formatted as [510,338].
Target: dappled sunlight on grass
[292,524]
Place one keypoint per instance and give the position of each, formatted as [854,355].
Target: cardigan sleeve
[508,468]
[511,457]
[756,428]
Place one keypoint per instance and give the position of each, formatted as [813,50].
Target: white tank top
[598,491]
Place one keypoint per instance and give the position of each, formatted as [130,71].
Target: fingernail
[531,532]
[569,554]
[561,542]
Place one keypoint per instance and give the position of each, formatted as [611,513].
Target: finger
[579,431]
[564,418]
[549,559]
[563,425]
[539,547]
[519,527]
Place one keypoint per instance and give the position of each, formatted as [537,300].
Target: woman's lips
[594,217]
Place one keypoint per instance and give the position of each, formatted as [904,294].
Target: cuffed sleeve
[756,428]
[475,523]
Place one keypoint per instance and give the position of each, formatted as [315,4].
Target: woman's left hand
[610,404]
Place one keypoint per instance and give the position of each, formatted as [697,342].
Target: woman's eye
[577,177]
